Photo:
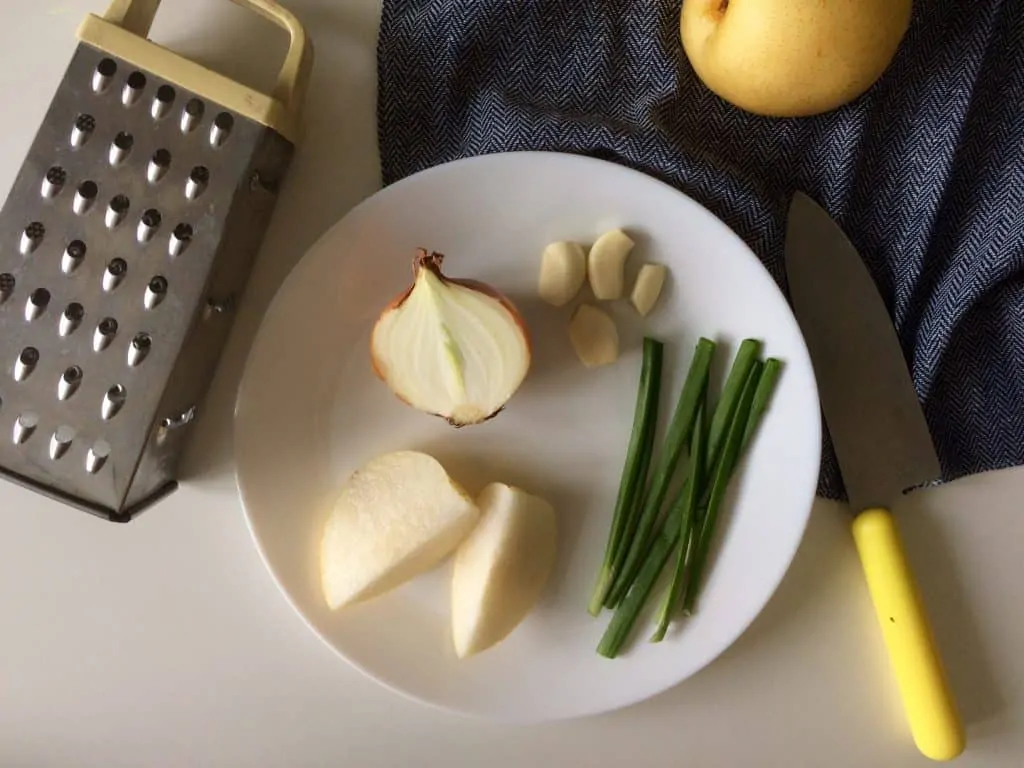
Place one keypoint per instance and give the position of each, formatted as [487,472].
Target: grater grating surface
[124,243]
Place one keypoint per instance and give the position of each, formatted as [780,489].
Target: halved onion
[454,348]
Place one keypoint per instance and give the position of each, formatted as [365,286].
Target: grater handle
[136,16]
[293,79]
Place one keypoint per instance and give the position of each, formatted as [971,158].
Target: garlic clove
[647,288]
[594,336]
[563,270]
[454,348]
[606,264]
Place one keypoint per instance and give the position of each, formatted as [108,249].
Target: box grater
[125,241]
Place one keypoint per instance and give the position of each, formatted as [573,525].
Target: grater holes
[26,363]
[158,165]
[120,147]
[53,182]
[82,129]
[156,291]
[24,426]
[97,456]
[191,115]
[69,382]
[221,129]
[71,318]
[60,441]
[133,87]
[180,239]
[162,102]
[139,348]
[197,181]
[37,303]
[114,274]
[73,257]
[105,332]
[102,75]
[85,196]
[113,402]
[31,237]
[116,210]
[7,285]
[149,222]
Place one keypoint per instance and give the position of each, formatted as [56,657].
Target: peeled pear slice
[502,567]
[396,517]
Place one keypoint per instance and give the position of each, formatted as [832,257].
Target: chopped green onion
[689,500]
[694,392]
[634,470]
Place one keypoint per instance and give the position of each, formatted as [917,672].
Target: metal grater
[125,241]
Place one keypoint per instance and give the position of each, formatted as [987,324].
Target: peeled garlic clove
[454,348]
[563,269]
[594,336]
[606,264]
[647,288]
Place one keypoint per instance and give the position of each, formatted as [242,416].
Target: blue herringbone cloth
[925,173]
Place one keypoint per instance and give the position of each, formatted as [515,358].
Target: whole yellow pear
[791,58]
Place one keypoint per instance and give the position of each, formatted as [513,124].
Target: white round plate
[310,411]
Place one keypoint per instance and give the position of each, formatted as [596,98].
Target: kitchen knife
[883,447]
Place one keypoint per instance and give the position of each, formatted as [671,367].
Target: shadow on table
[935,565]
[335,167]
[940,576]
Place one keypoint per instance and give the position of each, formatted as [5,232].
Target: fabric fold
[925,172]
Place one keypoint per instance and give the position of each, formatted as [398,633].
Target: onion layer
[454,348]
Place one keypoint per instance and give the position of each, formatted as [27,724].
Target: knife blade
[878,430]
[883,446]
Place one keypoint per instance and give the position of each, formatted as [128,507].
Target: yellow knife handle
[934,721]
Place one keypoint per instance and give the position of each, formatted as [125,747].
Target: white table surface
[165,642]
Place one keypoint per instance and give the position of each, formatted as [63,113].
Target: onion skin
[431,260]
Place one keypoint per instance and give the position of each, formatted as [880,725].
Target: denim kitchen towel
[925,173]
